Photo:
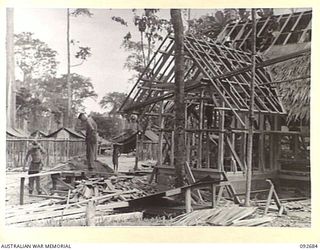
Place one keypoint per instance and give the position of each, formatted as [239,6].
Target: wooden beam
[292,29]
[200,132]
[192,180]
[261,147]
[266,63]
[234,153]
[221,142]
[22,180]
[188,200]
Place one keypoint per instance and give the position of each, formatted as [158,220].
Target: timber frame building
[217,95]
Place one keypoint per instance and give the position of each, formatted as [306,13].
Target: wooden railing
[57,150]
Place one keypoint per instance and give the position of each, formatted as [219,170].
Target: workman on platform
[115,157]
[36,152]
[91,139]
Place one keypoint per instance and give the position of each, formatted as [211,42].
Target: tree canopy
[112,101]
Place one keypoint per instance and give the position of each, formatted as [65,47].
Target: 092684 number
[308,245]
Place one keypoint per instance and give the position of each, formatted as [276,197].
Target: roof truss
[207,65]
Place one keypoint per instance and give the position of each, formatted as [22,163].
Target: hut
[38,134]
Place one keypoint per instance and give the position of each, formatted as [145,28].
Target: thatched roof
[295,94]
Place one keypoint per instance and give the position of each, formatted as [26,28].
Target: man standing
[36,152]
[115,156]
[91,139]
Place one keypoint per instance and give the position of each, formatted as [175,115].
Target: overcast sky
[100,33]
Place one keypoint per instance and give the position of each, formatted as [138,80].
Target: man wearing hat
[36,152]
[91,139]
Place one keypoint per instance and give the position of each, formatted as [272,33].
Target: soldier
[91,139]
[115,157]
[36,152]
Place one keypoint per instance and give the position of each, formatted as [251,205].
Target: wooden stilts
[22,181]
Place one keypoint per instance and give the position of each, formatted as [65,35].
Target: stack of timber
[106,194]
[121,188]
[226,216]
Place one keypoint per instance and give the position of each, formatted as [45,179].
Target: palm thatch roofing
[294,87]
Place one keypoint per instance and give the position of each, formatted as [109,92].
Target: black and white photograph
[158,117]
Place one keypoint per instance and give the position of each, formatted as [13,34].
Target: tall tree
[152,28]
[10,77]
[179,126]
[35,59]
[82,54]
[112,101]
[56,98]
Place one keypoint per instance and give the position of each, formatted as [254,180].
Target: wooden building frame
[217,86]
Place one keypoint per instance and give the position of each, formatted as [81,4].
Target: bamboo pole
[251,112]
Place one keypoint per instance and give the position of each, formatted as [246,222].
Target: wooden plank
[47,196]
[39,174]
[173,192]
[269,199]
[281,30]
[213,195]
[221,188]
[172,149]
[192,180]
[305,31]
[200,133]
[261,144]
[221,141]
[234,153]
[188,200]
[64,184]
[22,180]
[292,29]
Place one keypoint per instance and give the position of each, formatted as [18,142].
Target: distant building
[38,134]
[65,133]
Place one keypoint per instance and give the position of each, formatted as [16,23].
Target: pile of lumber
[123,188]
[225,216]
[106,193]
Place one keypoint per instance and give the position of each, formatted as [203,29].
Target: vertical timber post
[160,157]
[179,108]
[251,112]
[137,146]
[200,130]
[221,141]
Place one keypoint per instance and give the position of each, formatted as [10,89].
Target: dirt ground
[298,212]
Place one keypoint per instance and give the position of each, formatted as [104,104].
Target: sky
[100,33]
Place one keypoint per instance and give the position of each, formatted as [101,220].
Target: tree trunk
[179,122]
[251,112]
[68,118]
[11,90]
